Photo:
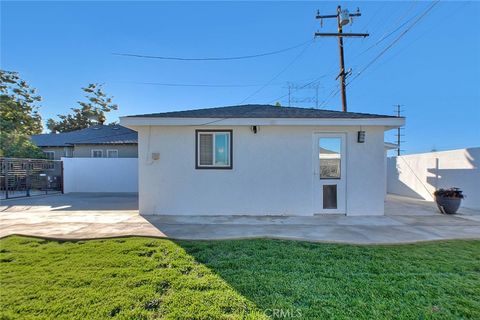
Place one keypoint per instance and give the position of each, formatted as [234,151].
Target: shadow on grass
[144,278]
[123,278]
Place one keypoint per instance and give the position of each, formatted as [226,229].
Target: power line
[385,37]
[259,106]
[386,48]
[296,89]
[214,58]
[225,118]
[210,85]
[251,95]
[279,73]
[332,94]
[365,25]
[395,41]
[315,81]
[291,85]
[203,85]
[444,18]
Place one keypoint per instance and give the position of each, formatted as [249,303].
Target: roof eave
[388,122]
[54,145]
[105,143]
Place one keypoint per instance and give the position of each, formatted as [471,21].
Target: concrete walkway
[87,216]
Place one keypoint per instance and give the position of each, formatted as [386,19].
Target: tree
[18,111]
[19,117]
[19,146]
[87,114]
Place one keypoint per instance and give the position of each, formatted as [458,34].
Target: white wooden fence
[419,175]
[100,174]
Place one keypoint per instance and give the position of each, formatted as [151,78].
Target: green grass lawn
[143,278]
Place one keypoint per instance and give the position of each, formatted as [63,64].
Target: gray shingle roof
[261,111]
[106,134]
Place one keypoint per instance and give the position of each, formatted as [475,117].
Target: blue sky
[433,71]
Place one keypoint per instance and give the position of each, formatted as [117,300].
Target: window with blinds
[214,149]
[206,149]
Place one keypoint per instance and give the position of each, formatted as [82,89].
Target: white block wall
[418,175]
[100,174]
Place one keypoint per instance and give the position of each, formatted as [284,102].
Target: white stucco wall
[100,174]
[418,175]
[272,172]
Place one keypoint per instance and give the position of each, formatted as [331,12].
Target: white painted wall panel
[272,172]
[366,173]
[418,175]
[100,174]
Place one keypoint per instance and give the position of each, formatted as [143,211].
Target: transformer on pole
[343,17]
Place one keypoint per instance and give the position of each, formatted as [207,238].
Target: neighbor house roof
[263,111]
[99,134]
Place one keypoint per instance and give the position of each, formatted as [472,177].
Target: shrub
[449,193]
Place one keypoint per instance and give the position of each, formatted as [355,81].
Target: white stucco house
[261,160]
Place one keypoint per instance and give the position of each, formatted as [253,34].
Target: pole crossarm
[333,34]
[328,16]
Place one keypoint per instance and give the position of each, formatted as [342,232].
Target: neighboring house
[100,141]
[261,160]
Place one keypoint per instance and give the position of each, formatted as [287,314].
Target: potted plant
[448,200]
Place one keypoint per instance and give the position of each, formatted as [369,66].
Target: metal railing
[28,177]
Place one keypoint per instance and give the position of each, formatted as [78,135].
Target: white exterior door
[329,173]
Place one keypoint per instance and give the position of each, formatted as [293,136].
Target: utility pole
[289,95]
[289,87]
[399,129]
[343,18]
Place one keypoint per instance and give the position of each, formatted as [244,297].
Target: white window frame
[66,151]
[230,149]
[94,150]
[48,152]
[109,150]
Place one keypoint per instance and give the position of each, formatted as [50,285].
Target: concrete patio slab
[404,206]
[327,220]
[73,202]
[437,220]
[88,216]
